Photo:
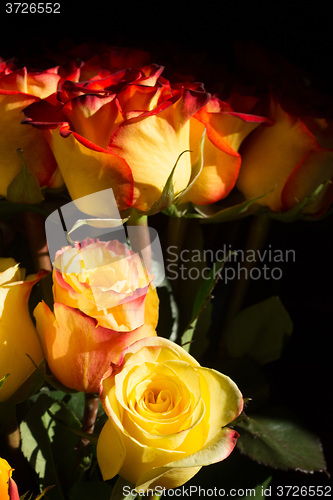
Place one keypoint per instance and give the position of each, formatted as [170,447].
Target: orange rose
[103,302]
[287,163]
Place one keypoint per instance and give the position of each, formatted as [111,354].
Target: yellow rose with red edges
[18,89]
[167,416]
[128,129]
[287,161]
[19,339]
[103,301]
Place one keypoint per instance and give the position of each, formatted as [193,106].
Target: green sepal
[167,197]
[296,212]
[24,188]
[3,380]
[118,490]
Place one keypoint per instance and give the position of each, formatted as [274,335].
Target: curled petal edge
[215,451]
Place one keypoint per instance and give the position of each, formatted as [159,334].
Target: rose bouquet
[132,366]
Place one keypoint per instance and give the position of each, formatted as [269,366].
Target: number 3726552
[32,8]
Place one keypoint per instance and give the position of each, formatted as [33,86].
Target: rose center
[158,401]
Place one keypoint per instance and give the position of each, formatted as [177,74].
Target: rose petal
[218,387]
[77,350]
[87,169]
[270,156]
[13,135]
[21,349]
[176,473]
[111,451]
[151,147]
[314,170]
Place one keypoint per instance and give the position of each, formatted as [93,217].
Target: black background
[300,32]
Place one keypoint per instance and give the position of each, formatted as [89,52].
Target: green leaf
[24,188]
[121,488]
[168,323]
[210,216]
[275,438]
[259,331]
[8,208]
[37,433]
[201,300]
[49,444]
[74,401]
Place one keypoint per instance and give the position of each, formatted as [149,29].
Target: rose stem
[176,235]
[91,402]
[35,231]
[257,235]
[90,414]
[140,240]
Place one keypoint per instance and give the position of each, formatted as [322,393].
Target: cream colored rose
[167,416]
[106,281]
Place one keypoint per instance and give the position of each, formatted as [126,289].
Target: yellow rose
[17,332]
[103,302]
[167,416]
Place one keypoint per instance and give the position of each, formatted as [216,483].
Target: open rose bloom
[167,416]
[286,160]
[103,301]
[18,89]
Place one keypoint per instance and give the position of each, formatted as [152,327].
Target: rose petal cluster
[103,301]
[128,127]
[167,416]
[20,349]
[108,117]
